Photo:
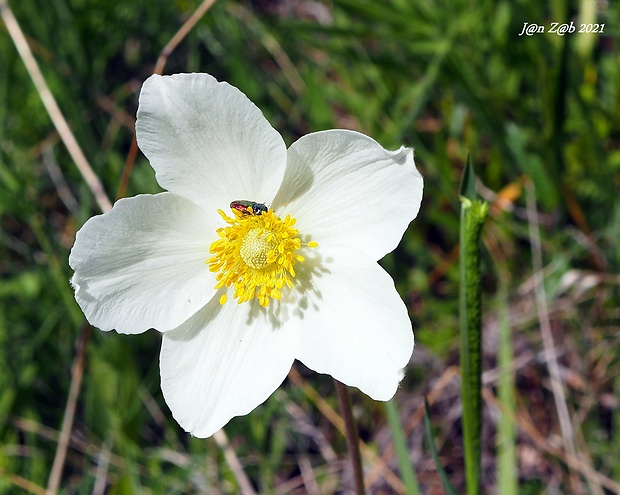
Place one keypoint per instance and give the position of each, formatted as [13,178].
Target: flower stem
[352,437]
[473,214]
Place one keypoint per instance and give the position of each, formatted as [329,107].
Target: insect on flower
[244,206]
[306,282]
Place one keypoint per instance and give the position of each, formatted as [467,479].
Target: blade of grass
[407,473]
[473,213]
[542,442]
[507,476]
[428,434]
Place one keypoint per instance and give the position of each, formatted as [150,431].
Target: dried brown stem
[159,69]
[180,34]
[353,441]
[233,462]
[67,422]
[545,325]
[52,107]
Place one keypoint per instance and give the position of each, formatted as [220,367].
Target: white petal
[143,264]
[223,362]
[207,141]
[354,326]
[342,185]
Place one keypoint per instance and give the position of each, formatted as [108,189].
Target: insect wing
[243,206]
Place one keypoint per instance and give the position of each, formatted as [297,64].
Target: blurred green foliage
[444,77]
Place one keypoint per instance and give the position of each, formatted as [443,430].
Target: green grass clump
[443,77]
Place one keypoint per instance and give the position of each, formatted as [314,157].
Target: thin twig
[271,45]
[180,34]
[545,326]
[23,483]
[83,447]
[129,161]
[303,425]
[308,476]
[52,107]
[353,441]
[183,31]
[233,462]
[55,173]
[67,422]
[328,473]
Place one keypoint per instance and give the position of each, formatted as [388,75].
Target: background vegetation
[540,115]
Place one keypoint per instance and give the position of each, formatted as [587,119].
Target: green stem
[473,214]
[352,437]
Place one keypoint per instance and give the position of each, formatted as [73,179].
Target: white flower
[239,294]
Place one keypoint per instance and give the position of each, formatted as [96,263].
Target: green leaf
[428,433]
[468,181]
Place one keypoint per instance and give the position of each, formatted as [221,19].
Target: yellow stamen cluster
[256,255]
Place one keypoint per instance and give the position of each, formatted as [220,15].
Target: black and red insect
[249,207]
